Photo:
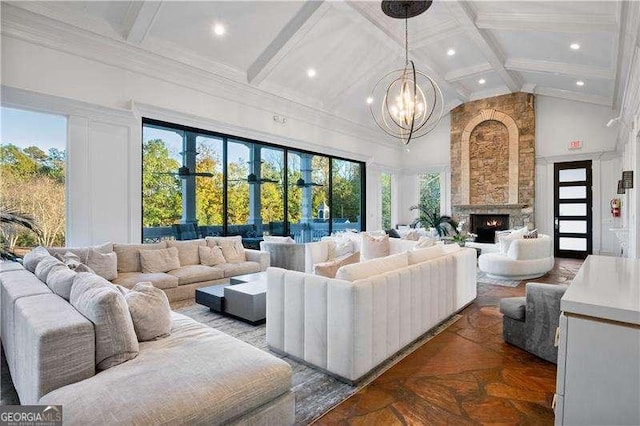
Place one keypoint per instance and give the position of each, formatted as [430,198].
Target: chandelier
[410,102]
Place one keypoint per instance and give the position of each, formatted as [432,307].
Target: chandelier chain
[406,41]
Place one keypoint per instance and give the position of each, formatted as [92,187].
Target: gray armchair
[530,322]
[285,255]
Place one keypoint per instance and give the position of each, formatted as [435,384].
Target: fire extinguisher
[615,207]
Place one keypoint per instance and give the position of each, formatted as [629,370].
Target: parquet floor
[465,375]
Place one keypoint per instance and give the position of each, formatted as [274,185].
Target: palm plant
[443,224]
[11,217]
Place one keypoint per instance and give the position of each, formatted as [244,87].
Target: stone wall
[493,158]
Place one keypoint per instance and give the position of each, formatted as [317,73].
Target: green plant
[10,219]
[443,224]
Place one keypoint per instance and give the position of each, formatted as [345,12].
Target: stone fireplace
[493,160]
[486,225]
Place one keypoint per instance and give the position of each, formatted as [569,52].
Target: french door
[573,222]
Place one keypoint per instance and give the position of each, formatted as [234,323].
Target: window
[213,184]
[385,200]
[429,185]
[33,169]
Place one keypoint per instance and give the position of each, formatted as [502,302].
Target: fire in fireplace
[486,225]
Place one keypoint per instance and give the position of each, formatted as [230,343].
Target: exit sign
[573,145]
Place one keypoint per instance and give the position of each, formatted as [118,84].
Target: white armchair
[525,259]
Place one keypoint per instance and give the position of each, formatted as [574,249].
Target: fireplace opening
[486,225]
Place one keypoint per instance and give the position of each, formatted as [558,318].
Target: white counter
[606,287]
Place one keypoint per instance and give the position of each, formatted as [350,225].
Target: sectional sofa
[180,283]
[196,375]
[349,325]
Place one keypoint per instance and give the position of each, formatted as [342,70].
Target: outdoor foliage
[33,183]
[385,188]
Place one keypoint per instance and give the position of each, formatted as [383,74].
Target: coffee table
[243,298]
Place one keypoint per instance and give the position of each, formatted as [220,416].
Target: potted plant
[446,226]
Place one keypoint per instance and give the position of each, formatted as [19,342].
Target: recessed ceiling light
[369,100]
[579,83]
[482,81]
[311,72]
[219,29]
[451,52]
[574,46]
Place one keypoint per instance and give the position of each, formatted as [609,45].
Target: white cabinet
[599,345]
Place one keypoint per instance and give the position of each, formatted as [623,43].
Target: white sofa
[524,259]
[347,328]
[318,252]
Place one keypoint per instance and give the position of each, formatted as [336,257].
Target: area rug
[315,392]
[482,278]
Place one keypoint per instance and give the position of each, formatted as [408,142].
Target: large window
[385,200]
[32,177]
[223,185]
[429,185]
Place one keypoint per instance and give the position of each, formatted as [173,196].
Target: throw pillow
[149,309]
[44,267]
[83,268]
[505,241]
[277,239]
[70,259]
[412,235]
[499,234]
[31,259]
[211,256]
[232,253]
[100,301]
[392,233]
[425,242]
[188,251]
[531,234]
[160,260]
[60,280]
[105,265]
[339,247]
[129,255]
[330,269]
[374,247]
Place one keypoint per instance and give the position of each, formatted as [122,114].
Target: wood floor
[465,375]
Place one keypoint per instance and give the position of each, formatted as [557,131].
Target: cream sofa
[347,327]
[524,259]
[318,252]
[181,283]
[197,375]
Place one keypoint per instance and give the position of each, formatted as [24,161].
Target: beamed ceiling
[270,46]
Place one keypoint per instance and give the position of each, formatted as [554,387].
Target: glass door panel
[573,209]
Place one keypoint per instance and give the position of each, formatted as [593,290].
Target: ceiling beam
[561,23]
[573,96]
[139,19]
[472,71]
[484,42]
[306,18]
[362,9]
[558,68]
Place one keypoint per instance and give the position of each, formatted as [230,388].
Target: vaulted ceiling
[500,47]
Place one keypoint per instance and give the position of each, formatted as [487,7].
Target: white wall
[105,97]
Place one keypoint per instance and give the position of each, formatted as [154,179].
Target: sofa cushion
[70,259]
[220,241]
[198,375]
[424,242]
[44,267]
[161,280]
[149,309]
[196,274]
[232,253]
[103,264]
[374,247]
[238,268]
[278,239]
[211,256]
[368,268]
[330,268]
[188,250]
[424,254]
[81,252]
[129,255]
[31,259]
[161,260]
[102,304]
[513,307]
[60,280]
